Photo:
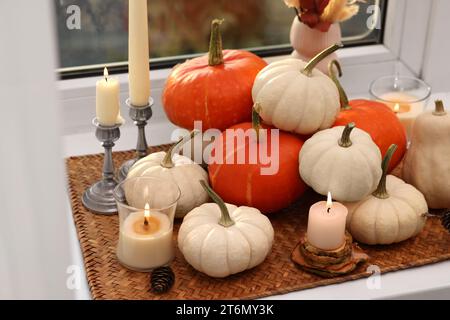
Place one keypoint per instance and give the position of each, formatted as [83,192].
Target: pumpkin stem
[345,141]
[215,44]
[256,119]
[381,192]
[342,94]
[167,162]
[322,55]
[439,110]
[225,219]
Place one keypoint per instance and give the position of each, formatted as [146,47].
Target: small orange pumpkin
[215,89]
[244,184]
[376,118]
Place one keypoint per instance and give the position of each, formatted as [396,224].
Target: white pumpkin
[179,169]
[221,239]
[427,162]
[295,97]
[396,211]
[349,168]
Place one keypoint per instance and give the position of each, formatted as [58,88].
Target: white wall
[436,67]
[34,243]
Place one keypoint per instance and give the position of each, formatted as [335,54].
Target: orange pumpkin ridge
[243,184]
[218,95]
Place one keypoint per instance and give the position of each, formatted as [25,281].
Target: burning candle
[407,108]
[107,100]
[145,240]
[326,225]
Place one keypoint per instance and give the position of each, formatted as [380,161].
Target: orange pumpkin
[215,89]
[245,184]
[376,118]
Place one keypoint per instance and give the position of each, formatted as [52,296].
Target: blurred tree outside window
[182,27]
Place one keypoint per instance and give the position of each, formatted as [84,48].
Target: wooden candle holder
[329,264]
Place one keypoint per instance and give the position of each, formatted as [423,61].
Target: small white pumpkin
[427,162]
[295,97]
[180,169]
[396,211]
[221,239]
[348,168]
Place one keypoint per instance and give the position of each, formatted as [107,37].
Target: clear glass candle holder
[406,96]
[146,209]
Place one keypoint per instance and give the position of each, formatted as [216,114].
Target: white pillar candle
[326,225]
[144,246]
[406,109]
[107,100]
[138,53]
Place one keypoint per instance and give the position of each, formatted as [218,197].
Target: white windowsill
[427,282]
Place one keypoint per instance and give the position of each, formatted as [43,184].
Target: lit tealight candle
[405,107]
[326,225]
[107,100]
[145,240]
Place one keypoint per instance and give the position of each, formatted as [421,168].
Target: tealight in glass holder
[406,96]
[146,214]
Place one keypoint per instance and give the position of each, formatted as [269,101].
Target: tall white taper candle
[138,53]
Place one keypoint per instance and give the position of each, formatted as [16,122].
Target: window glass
[94,32]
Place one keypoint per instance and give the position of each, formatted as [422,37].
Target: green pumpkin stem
[215,44]
[225,219]
[318,58]
[439,109]
[345,141]
[342,94]
[256,119]
[167,162]
[381,192]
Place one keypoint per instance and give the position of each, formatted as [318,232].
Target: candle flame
[147,211]
[106,73]
[329,202]
[397,108]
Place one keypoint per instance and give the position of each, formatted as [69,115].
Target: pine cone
[162,279]
[446,221]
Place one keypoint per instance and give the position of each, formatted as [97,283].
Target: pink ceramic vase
[308,42]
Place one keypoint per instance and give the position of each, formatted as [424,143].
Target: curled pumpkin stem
[225,219]
[167,162]
[345,141]
[318,58]
[381,192]
[332,66]
[215,44]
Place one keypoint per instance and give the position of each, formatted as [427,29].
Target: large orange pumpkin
[244,184]
[376,118]
[215,89]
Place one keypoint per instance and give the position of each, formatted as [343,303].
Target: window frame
[169,62]
[364,62]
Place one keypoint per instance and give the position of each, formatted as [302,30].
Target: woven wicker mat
[107,279]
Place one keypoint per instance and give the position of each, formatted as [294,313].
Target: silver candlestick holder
[99,198]
[140,116]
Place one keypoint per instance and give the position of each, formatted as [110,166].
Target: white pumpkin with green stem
[169,165]
[341,160]
[427,162]
[396,211]
[296,97]
[221,239]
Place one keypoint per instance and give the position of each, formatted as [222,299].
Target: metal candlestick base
[140,116]
[99,197]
